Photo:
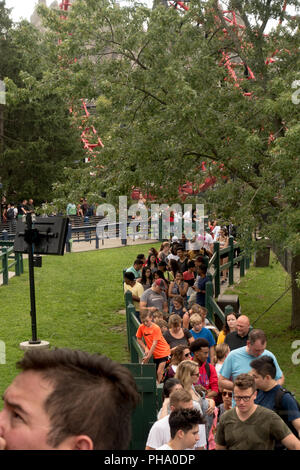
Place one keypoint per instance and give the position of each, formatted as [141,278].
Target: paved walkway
[236,278]
[108,243]
[10,274]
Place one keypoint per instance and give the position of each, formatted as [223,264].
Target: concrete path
[10,275]
[236,278]
[108,243]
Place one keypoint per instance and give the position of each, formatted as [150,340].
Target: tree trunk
[291,264]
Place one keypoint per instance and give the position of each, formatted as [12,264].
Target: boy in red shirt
[155,346]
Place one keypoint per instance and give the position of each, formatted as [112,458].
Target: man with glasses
[248,426]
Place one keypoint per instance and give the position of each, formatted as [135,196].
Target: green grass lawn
[257,291]
[78,301]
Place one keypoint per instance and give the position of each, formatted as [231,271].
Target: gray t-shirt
[153,299]
[258,432]
[173,342]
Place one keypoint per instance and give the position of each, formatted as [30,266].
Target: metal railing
[99,233]
[215,268]
[132,323]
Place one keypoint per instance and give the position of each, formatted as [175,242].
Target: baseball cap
[160,283]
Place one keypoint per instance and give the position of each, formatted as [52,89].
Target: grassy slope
[78,299]
[257,291]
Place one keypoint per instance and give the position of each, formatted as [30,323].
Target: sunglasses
[187,354]
[227,394]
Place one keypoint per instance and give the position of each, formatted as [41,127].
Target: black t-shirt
[183,265]
[24,206]
[235,341]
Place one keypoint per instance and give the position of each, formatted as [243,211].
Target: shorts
[160,360]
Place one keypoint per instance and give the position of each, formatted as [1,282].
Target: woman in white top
[223,239]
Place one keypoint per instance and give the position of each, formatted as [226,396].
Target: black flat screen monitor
[50,235]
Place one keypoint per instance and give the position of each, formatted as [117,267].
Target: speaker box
[233,300]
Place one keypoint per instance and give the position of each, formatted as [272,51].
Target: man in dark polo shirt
[238,339]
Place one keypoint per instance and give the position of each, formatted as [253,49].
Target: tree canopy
[38,138]
[166,101]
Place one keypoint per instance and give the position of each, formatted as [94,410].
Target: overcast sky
[21,8]
[24,8]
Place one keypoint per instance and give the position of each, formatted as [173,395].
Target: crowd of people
[11,211]
[220,389]
[229,377]
[81,209]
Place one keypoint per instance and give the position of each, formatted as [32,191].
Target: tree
[166,102]
[38,139]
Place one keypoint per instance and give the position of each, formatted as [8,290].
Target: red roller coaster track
[88,132]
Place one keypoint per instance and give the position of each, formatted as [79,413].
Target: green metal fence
[9,259]
[145,414]
[213,287]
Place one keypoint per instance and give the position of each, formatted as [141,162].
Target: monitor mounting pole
[30,237]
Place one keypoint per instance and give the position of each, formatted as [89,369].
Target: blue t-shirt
[267,399]
[238,362]
[137,274]
[200,297]
[206,334]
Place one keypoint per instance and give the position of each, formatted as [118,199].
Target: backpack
[10,214]
[283,413]
[207,368]
[166,370]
